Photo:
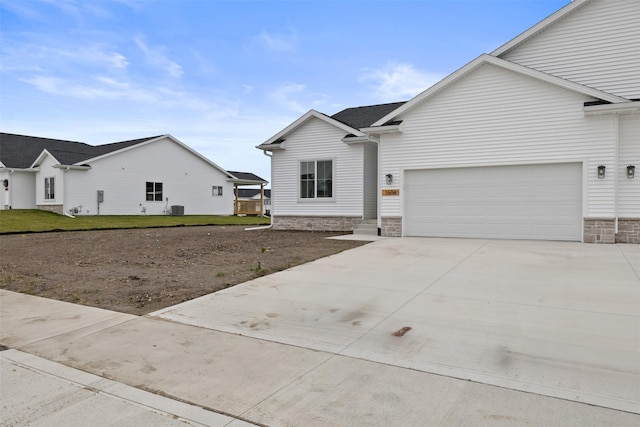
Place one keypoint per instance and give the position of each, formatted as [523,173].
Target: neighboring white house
[538,140]
[156,175]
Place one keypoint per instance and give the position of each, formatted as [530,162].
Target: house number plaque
[394,192]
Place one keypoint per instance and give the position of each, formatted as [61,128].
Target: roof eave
[623,109]
[270,147]
[360,139]
[382,129]
[73,167]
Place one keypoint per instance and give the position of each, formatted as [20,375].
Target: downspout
[616,177]
[265,227]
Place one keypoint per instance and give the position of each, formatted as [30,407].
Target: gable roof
[350,120]
[21,151]
[545,23]
[488,59]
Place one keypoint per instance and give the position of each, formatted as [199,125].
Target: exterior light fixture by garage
[389,179]
[631,172]
[601,169]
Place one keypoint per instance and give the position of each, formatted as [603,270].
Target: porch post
[261,199]
[235,202]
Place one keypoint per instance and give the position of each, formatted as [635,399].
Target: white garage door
[541,202]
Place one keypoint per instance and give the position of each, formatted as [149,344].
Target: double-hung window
[316,179]
[50,188]
[154,191]
[216,190]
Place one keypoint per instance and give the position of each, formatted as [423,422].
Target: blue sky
[224,76]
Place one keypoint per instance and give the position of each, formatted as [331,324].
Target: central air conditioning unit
[177,210]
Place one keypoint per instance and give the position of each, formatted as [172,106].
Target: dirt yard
[140,271]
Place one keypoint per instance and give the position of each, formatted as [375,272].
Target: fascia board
[551,19]
[73,167]
[360,139]
[596,110]
[303,119]
[488,59]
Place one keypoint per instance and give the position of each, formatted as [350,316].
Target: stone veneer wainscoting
[391,226]
[316,223]
[628,230]
[51,208]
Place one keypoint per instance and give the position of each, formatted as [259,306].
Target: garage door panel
[518,202]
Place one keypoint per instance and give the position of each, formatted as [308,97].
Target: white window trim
[217,191]
[154,191]
[333,181]
[47,183]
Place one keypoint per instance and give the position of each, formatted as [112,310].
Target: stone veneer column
[391,226]
[599,230]
[628,230]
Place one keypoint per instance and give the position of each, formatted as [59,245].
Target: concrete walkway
[346,368]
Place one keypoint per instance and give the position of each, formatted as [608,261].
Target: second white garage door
[542,202]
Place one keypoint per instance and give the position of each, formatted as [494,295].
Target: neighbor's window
[49,188]
[216,190]
[316,179]
[154,191]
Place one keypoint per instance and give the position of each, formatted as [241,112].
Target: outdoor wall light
[631,172]
[601,169]
[389,179]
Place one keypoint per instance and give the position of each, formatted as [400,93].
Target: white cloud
[396,82]
[156,56]
[284,95]
[278,43]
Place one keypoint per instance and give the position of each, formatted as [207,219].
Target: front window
[316,179]
[49,188]
[154,191]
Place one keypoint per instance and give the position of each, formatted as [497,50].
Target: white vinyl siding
[498,117]
[597,45]
[186,181]
[317,140]
[539,202]
[44,175]
[370,181]
[21,193]
[629,189]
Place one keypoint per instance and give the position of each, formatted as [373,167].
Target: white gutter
[617,174]
[620,108]
[264,227]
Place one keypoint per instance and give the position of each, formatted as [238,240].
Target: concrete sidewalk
[232,380]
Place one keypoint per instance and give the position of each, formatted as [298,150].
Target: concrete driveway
[552,318]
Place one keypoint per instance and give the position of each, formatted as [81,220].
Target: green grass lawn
[27,220]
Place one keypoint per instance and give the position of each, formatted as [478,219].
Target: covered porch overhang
[247,207]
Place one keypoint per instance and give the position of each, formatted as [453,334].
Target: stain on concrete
[400,332]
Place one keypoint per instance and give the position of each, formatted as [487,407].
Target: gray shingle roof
[251,192]
[246,176]
[362,117]
[20,151]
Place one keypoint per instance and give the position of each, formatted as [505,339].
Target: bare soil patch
[140,271]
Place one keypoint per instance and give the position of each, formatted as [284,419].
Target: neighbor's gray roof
[250,192]
[247,176]
[362,117]
[20,151]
